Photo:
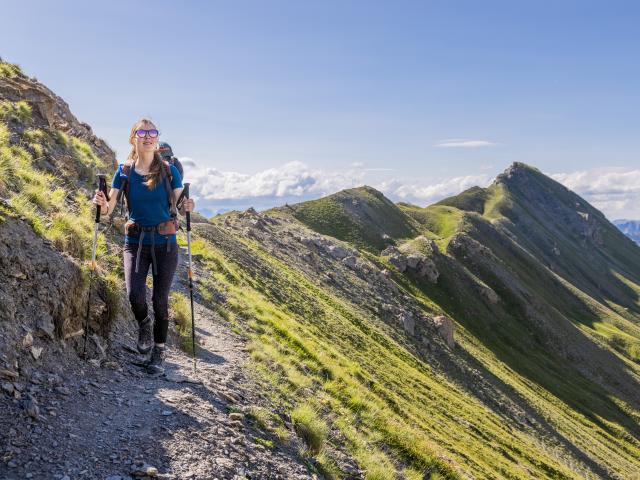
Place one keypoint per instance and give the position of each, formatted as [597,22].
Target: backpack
[176,163]
[124,169]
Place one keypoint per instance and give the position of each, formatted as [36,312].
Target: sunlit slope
[537,311]
[575,263]
[362,216]
[322,337]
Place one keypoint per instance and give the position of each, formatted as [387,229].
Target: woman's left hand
[188,205]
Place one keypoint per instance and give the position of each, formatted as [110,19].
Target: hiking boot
[145,335]
[156,362]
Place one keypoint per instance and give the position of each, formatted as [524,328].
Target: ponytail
[155,172]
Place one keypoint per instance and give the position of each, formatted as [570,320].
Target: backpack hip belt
[132,229]
[168,227]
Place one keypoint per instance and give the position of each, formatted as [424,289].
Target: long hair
[156,169]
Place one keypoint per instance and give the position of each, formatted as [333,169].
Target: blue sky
[286,100]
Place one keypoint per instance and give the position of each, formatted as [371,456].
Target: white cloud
[273,185]
[614,191]
[217,191]
[421,194]
[464,143]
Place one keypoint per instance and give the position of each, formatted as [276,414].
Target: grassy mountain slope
[325,342]
[585,267]
[561,334]
[362,216]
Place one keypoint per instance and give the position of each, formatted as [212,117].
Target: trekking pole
[102,186]
[193,322]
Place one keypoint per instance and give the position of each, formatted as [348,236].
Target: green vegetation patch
[9,70]
[312,429]
[181,313]
[362,216]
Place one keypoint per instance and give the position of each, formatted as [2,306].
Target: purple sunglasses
[141,133]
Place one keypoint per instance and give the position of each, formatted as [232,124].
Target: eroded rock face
[590,229]
[42,289]
[428,270]
[488,294]
[51,111]
[408,322]
[399,261]
[467,246]
[421,265]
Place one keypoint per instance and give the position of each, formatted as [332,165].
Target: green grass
[53,205]
[294,357]
[471,200]
[20,111]
[439,221]
[310,427]
[181,314]
[4,135]
[7,164]
[350,379]
[9,70]
[362,216]
[265,443]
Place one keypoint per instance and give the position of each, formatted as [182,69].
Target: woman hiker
[151,187]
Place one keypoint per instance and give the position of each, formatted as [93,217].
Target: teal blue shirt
[148,207]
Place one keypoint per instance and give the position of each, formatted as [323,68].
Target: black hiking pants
[166,263]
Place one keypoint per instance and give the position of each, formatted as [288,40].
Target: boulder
[349,262]
[45,325]
[489,294]
[413,260]
[445,327]
[409,323]
[249,212]
[399,261]
[427,268]
[390,250]
[337,252]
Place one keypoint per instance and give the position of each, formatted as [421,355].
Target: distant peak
[517,169]
[361,192]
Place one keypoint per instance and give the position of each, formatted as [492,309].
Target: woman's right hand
[99,199]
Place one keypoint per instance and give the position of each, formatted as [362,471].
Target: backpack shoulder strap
[171,197]
[124,169]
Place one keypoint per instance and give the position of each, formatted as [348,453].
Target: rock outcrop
[52,112]
[419,264]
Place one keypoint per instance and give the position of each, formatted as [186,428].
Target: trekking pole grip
[185,192]
[102,186]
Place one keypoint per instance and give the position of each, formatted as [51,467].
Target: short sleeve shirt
[148,207]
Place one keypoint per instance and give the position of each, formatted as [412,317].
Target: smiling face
[146,144]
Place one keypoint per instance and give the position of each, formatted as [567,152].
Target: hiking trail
[116,422]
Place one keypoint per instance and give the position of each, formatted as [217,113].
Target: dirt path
[106,422]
